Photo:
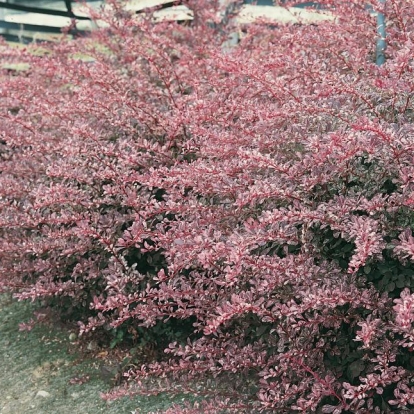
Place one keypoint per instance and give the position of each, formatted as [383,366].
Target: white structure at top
[247,14]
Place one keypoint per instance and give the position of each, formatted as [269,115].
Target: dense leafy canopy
[253,204]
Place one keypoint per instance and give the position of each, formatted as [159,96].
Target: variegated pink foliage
[233,164]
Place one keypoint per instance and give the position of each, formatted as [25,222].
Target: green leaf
[347,248]
[408,272]
[355,369]
[400,282]
[261,330]
[390,287]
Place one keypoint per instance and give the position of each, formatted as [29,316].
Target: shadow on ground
[42,373]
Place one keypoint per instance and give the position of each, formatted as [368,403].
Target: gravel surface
[42,372]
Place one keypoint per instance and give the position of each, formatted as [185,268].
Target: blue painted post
[381,44]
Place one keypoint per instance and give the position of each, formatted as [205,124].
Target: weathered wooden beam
[40,10]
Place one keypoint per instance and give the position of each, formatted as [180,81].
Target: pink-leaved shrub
[257,197]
